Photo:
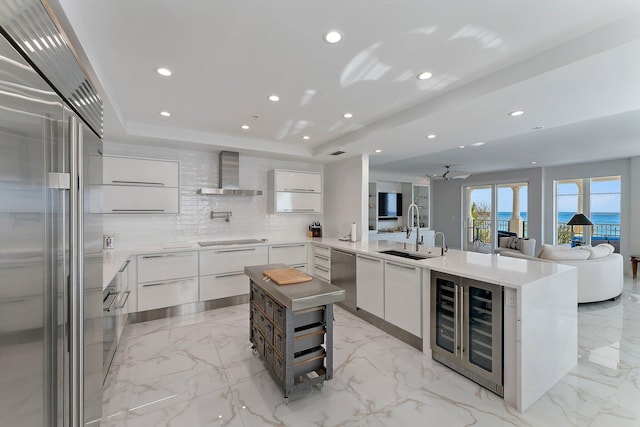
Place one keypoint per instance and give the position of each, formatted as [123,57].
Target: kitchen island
[291,328]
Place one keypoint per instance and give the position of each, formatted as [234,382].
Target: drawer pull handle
[326,258]
[300,189]
[148,285]
[229,275]
[369,259]
[125,300]
[137,210]
[113,301]
[400,265]
[288,246]
[167,255]
[137,182]
[124,267]
[300,210]
[322,269]
[236,250]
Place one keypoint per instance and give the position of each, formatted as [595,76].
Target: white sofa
[516,245]
[600,271]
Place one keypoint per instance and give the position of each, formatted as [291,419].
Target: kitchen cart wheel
[254,350]
[286,401]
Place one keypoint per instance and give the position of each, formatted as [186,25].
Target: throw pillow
[542,249]
[599,251]
[561,254]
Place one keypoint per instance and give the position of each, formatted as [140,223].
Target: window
[599,199]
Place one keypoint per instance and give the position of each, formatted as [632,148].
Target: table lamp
[580,219]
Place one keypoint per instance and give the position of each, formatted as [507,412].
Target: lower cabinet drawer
[322,273]
[167,293]
[223,285]
[167,266]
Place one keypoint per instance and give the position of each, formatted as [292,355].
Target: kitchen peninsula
[540,311]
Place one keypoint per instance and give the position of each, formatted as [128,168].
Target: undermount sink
[405,254]
[231,242]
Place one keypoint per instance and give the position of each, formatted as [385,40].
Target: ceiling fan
[448,174]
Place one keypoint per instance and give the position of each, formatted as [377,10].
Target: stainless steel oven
[466,328]
[109,327]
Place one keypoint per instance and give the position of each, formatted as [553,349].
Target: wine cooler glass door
[482,330]
[445,299]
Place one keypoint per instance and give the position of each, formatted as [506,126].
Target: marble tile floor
[198,370]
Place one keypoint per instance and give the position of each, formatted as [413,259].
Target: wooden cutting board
[287,276]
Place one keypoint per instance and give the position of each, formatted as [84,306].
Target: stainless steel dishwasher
[343,275]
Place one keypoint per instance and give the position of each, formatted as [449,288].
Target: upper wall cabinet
[140,186]
[146,172]
[294,192]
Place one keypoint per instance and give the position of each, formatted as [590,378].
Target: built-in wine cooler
[466,328]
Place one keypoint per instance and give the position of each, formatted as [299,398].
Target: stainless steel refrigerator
[50,244]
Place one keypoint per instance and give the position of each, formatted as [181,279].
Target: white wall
[200,169]
[346,191]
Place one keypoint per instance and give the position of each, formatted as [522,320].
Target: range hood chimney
[229,183]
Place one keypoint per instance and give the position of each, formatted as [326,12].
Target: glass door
[479,218]
[444,304]
[482,329]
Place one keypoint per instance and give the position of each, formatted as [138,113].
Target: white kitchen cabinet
[167,279]
[222,271]
[231,260]
[166,293]
[132,185]
[403,296]
[290,254]
[305,182]
[294,192]
[133,171]
[225,285]
[139,200]
[322,262]
[167,266]
[370,285]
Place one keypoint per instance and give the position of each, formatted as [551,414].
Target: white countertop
[504,271]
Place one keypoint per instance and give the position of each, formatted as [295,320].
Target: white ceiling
[573,66]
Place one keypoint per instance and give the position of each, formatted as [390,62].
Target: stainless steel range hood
[228,171]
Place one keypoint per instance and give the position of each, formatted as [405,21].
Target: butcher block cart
[291,328]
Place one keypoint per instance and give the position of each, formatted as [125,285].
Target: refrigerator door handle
[76,413]
[462,336]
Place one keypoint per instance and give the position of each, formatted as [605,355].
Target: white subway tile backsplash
[200,169]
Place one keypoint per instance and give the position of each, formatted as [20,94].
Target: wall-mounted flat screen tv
[389,204]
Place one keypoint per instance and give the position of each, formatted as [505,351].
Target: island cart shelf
[291,328]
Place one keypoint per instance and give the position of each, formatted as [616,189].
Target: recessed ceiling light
[425,75]
[431,136]
[378,151]
[333,36]
[460,146]
[516,113]
[245,127]
[347,115]
[165,114]
[533,163]
[274,98]
[477,144]
[306,137]
[163,71]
